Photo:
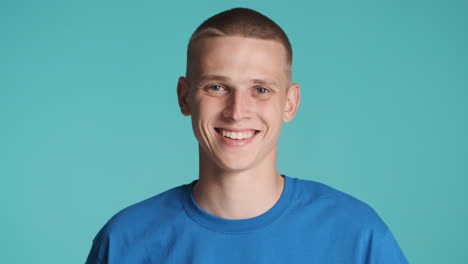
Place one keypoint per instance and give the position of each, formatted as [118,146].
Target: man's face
[238,93]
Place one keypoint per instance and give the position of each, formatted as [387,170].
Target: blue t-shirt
[310,223]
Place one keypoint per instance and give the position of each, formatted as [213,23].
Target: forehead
[239,58]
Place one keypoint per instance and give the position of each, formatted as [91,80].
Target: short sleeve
[386,251]
[99,250]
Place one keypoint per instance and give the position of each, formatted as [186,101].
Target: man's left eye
[262,90]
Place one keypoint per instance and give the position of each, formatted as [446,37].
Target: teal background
[89,121]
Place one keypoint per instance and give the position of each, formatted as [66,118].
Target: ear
[293,97]
[183,94]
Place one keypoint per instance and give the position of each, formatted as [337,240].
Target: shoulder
[139,222]
[161,207]
[337,205]
[354,222]
[161,210]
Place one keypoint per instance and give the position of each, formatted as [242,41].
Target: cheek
[271,113]
[207,107]
[273,106]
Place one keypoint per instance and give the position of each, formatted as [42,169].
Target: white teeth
[236,135]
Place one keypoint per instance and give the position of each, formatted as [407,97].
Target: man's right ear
[183,94]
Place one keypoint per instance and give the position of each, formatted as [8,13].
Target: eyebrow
[265,81]
[214,77]
[211,77]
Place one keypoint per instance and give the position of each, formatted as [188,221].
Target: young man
[238,91]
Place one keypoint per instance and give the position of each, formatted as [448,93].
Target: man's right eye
[215,88]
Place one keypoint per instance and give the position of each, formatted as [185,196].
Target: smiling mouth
[236,135]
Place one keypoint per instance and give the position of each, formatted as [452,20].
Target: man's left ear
[293,98]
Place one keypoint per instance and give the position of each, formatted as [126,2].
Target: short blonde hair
[240,22]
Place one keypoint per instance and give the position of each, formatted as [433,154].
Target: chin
[236,164]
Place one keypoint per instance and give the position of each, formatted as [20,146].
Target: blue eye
[216,88]
[262,90]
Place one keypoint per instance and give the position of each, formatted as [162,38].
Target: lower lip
[236,142]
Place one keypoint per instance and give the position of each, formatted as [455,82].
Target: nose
[237,106]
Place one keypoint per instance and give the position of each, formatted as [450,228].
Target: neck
[238,194]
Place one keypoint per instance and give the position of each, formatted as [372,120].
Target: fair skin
[238,93]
